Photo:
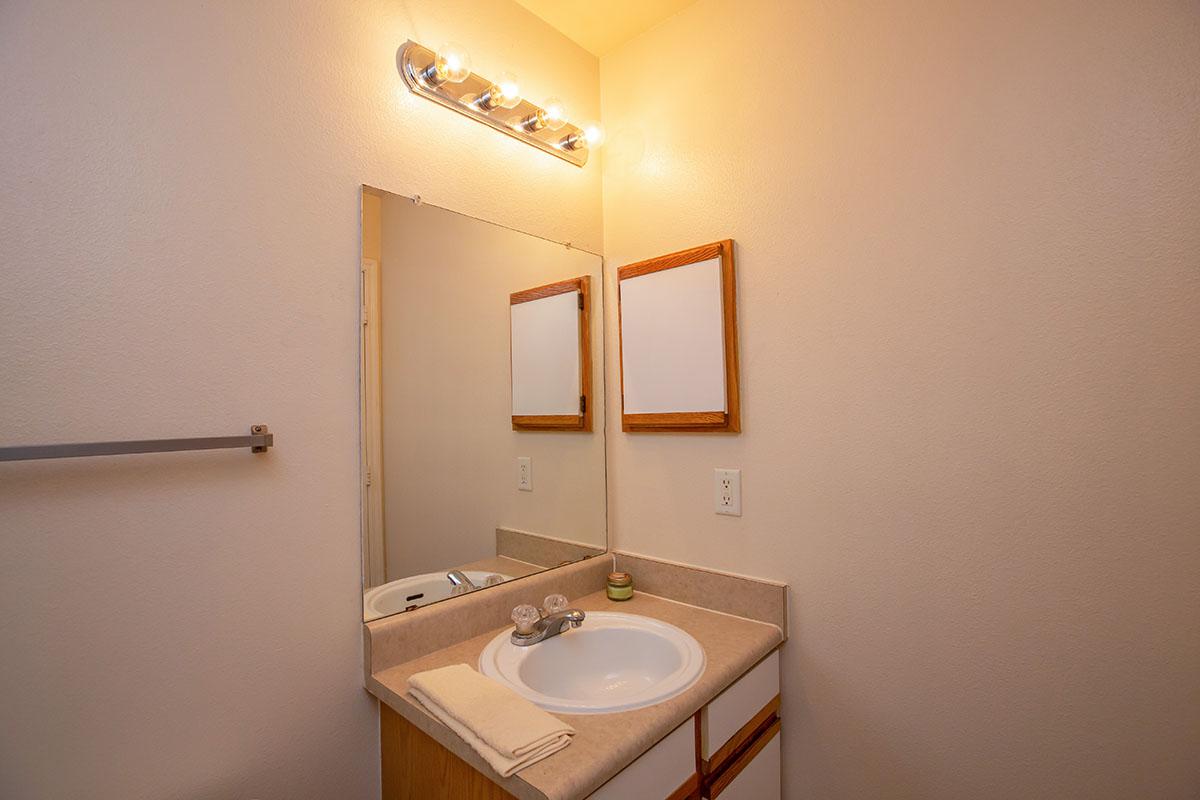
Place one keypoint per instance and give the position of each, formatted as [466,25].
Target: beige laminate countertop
[503,565]
[605,743]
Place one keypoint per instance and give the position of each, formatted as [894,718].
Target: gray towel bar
[258,441]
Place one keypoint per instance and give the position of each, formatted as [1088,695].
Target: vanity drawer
[761,776]
[665,771]
[738,713]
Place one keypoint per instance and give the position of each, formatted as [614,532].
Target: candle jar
[620,586]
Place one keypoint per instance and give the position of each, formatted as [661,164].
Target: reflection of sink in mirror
[613,662]
[417,590]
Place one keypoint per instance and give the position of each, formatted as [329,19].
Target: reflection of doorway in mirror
[374,543]
[374,536]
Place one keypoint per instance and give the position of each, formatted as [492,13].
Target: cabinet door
[659,772]
[726,721]
[760,779]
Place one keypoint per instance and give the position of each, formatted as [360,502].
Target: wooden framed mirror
[550,336]
[678,335]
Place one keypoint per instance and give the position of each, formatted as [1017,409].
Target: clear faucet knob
[525,616]
[554,603]
[493,580]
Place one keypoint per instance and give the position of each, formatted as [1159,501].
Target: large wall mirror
[482,404]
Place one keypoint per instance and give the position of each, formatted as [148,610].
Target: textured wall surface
[179,241]
[968,241]
[968,259]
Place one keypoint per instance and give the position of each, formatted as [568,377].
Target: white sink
[613,662]
[415,590]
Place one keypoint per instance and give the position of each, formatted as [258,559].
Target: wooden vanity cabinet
[728,750]
[415,766]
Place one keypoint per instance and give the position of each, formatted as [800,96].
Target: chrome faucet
[459,578]
[537,625]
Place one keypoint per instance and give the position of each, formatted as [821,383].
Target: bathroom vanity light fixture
[445,77]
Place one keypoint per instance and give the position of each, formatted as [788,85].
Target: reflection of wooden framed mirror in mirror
[552,356]
[449,485]
[678,334]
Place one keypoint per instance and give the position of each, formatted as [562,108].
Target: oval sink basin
[613,662]
[415,590]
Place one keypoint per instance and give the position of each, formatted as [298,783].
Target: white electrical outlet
[728,492]
[525,473]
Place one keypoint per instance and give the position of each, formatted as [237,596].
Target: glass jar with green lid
[620,586]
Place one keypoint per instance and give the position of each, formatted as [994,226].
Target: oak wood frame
[727,421]
[563,422]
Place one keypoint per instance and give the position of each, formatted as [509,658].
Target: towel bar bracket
[266,441]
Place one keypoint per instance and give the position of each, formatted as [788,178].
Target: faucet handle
[554,603]
[526,617]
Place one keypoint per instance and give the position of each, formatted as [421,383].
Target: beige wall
[969,272]
[968,252]
[179,240]
[449,450]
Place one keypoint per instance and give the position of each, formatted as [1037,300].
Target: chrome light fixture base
[415,62]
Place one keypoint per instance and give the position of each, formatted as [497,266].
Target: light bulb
[551,117]
[450,65]
[454,62]
[503,93]
[507,90]
[554,114]
[593,134]
[590,136]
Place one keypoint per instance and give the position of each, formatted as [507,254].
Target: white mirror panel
[673,340]
[457,495]
[546,355]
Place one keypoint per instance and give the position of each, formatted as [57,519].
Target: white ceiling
[600,26]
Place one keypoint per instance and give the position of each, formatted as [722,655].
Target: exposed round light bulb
[506,91]
[589,136]
[452,63]
[554,114]
[593,134]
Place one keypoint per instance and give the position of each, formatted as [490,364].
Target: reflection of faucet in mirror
[536,625]
[460,582]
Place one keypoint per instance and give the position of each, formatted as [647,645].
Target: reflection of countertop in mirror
[502,565]
[535,548]
[605,743]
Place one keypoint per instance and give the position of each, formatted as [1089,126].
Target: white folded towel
[506,729]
